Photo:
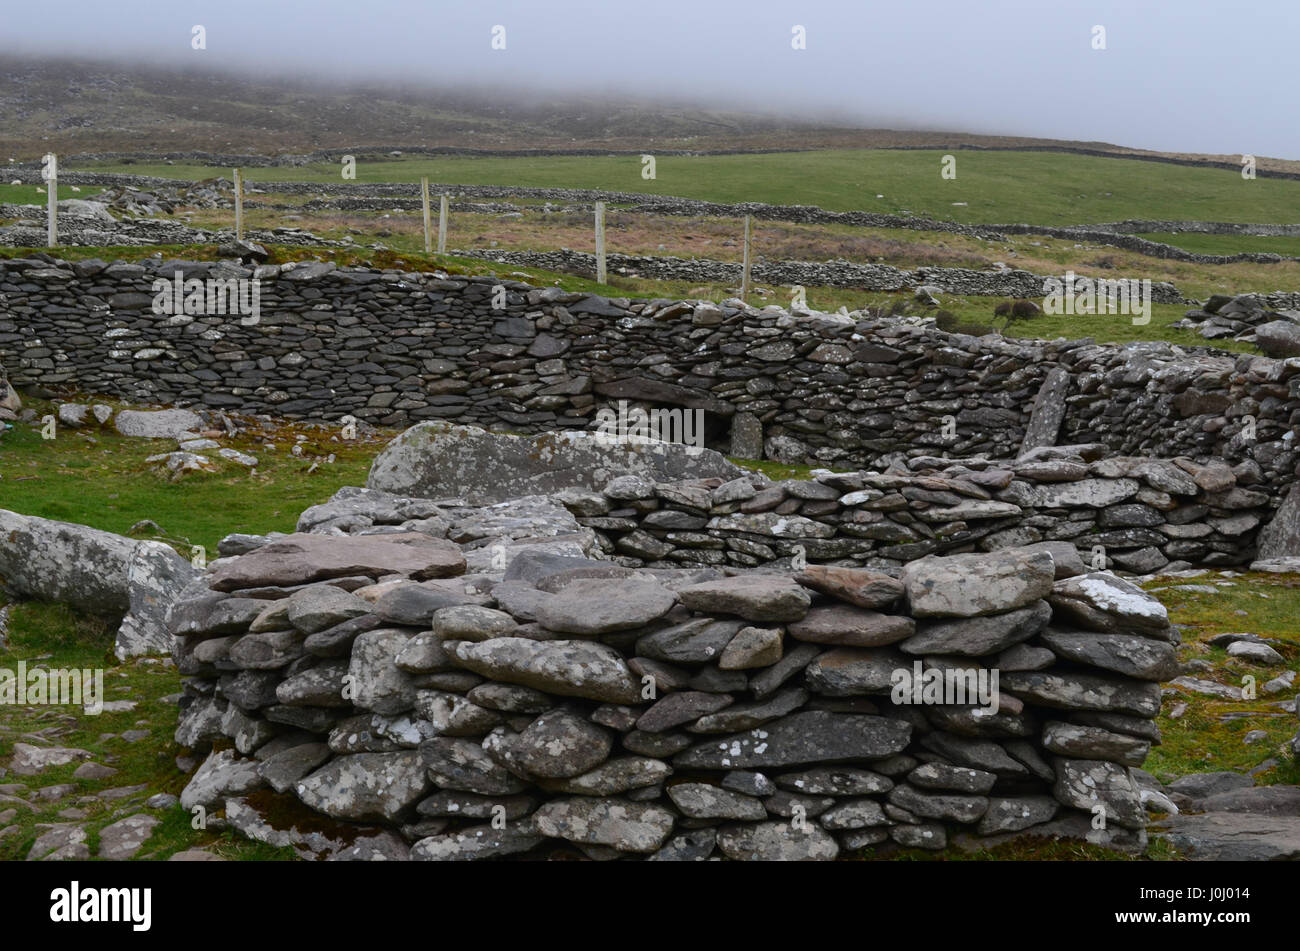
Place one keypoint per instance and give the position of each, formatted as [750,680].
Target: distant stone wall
[393,348]
[351,195]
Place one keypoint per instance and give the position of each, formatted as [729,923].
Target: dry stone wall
[674,714]
[392,348]
[1131,514]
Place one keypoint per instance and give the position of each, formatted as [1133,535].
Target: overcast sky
[1179,75]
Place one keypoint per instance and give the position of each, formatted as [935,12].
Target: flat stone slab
[124,838]
[29,760]
[617,823]
[570,668]
[593,606]
[776,842]
[157,424]
[866,589]
[1234,837]
[302,559]
[754,597]
[811,736]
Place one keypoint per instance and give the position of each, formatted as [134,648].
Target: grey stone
[617,823]
[694,846]
[702,801]
[979,636]
[1090,742]
[945,776]
[1139,657]
[591,607]
[810,736]
[615,776]
[464,766]
[366,786]
[568,668]
[752,647]
[222,774]
[848,625]
[1071,691]
[477,842]
[1085,784]
[952,808]
[776,842]
[557,745]
[678,708]
[1014,813]
[695,641]
[977,585]
[438,459]
[760,598]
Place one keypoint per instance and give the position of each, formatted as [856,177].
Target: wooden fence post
[442,224]
[428,227]
[600,242]
[239,205]
[744,274]
[52,201]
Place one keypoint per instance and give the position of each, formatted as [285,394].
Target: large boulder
[1279,338]
[439,459]
[96,572]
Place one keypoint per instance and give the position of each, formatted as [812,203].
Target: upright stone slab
[1048,411]
[746,436]
[1280,538]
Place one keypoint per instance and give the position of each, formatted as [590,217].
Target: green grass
[102,480]
[57,637]
[1227,243]
[998,187]
[28,195]
[1201,740]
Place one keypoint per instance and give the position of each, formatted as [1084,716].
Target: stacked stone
[391,347]
[666,713]
[1132,514]
[1244,317]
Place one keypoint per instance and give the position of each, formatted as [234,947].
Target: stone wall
[392,348]
[673,714]
[1131,514]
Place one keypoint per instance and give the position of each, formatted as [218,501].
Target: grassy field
[102,480]
[1227,243]
[28,195]
[996,187]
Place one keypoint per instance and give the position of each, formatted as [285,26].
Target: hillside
[83,107]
